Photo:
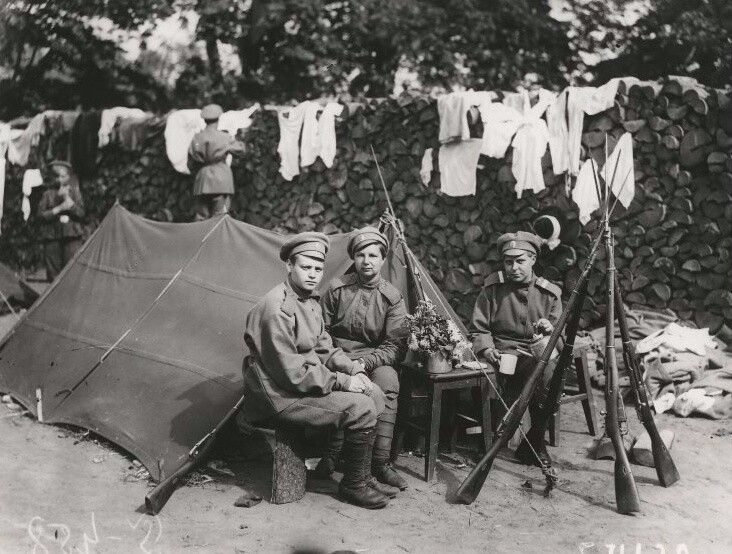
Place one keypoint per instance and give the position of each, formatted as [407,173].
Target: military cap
[312,244]
[61,163]
[518,242]
[211,112]
[361,238]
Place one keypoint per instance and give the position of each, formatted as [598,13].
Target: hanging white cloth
[623,178]
[585,191]
[521,125]
[180,128]
[233,120]
[327,133]
[5,138]
[458,163]
[31,179]
[425,171]
[453,111]
[110,116]
[22,141]
[290,122]
[310,141]
[556,120]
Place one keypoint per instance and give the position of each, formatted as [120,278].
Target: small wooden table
[436,383]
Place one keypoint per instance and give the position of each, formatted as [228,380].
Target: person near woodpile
[513,307]
[296,376]
[213,187]
[61,214]
[366,316]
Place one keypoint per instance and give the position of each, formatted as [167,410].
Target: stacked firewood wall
[673,242]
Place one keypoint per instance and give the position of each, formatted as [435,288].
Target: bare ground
[63,493]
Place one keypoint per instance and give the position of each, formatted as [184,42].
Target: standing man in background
[61,213]
[214,184]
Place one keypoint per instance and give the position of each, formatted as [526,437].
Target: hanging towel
[180,128]
[310,142]
[5,138]
[290,122]
[529,146]
[623,178]
[458,163]
[326,130]
[556,119]
[21,143]
[233,120]
[453,110]
[500,123]
[585,191]
[110,116]
[31,179]
[426,171]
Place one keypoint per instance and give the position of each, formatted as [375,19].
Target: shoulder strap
[390,292]
[549,287]
[494,279]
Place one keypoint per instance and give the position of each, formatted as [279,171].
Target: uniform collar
[526,284]
[300,294]
[372,285]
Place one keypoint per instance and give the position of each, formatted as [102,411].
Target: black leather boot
[327,464]
[526,456]
[354,487]
[371,481]
[381,467]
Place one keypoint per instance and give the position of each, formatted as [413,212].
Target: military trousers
[210,205]
[387,378]
[510,386]
[57,253]
[350,411]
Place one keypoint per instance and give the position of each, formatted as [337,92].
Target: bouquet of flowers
[431,333]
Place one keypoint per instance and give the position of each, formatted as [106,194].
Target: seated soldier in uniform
[366,316]
[294,374]
[514,305]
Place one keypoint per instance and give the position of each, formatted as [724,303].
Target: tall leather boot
[371,481]
[353,487]
[381,467]
[327,464]
[523,452]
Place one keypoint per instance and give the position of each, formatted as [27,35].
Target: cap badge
[512,244]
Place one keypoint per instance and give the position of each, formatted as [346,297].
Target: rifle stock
[473,483]
[664,464]
[626,492]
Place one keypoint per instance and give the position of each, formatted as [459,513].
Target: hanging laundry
[180,128]
[579,101]
[31,179]
[233,120]
[326,130]
[290,122]
[585,191]
[5,138]
[529,146]
[556,119]
[110,116]
[500,123]
[458,162]
[453,110]
[84,143]
[21,143]
[426,171]
[622,179]
[310,141]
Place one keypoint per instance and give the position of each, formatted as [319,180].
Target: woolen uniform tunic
[294,372]
[505,312]
[207,157]
[366,321]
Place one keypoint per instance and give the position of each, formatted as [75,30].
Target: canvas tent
[140,337]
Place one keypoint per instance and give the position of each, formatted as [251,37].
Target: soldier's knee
[364,410]
[387,378]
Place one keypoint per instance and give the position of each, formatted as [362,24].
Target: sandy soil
[64,493]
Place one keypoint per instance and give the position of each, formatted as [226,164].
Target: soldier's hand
[493,356]
[544,326]
[356,384]
[368,386]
